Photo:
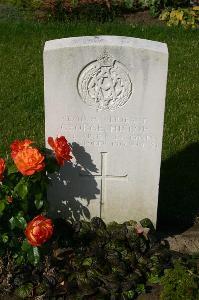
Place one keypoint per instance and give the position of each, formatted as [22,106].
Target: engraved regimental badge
[105,84]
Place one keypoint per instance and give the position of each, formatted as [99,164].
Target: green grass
[22,111]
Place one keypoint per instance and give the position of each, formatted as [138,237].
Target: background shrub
[186,17]
[180,283]
[99,10]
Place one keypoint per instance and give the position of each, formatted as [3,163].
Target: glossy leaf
[5,238]
[12,223]
[18,221]
[33,255]
[38,201]
[21,189]
[21,222]
[26,246]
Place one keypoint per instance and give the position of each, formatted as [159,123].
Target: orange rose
[29,161]
[2,168]
[17,146]
[39,230]
[61,148]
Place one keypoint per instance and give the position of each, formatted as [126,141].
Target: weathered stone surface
[186,242]
[106,94]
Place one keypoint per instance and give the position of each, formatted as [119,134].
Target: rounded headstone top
[121,41]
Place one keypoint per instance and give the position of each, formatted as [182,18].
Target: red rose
[29,161]
[17,146]
[61,148]
[39,230]
[2,168]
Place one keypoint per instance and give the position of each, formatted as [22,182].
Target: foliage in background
[186,17]
[102,10]
[181,282]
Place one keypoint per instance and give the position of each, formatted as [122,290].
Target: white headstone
[106,95]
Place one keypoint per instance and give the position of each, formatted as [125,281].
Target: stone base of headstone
[187,242]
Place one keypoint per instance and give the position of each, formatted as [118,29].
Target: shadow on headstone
[70,194]
[179,191]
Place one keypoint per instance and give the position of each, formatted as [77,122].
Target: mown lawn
[22,110]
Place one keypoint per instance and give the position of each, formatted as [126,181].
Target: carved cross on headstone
[103,178]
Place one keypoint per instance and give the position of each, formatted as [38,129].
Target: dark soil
[142,18]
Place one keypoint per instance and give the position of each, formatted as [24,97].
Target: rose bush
[24,225]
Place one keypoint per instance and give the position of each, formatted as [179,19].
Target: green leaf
[21,189]
[25,246]
[5,238]
[12,169]
[87,262]
[33,255]
[2,206]
[129,294]
[140,288]
[20,259]
[154,279]
[18,221]
[38,201]
[21,222]
[24,291]
[5,189]
[12,223]
[36,255]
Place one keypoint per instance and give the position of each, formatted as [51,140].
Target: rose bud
[61,149]
[39,230]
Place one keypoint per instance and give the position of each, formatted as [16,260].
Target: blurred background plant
[180,282]
[99,10]
[186,17]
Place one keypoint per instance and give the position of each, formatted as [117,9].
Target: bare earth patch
[142,17]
